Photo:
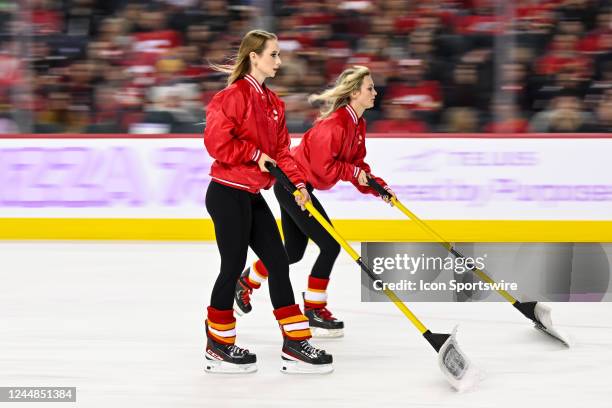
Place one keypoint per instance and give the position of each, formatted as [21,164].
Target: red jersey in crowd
[156,42]
[508,126]
[597,41]
[552,63]
[423,96]
[44,22]
[399,126]
[333,150]
[476,24]
[11,70]
[243,121]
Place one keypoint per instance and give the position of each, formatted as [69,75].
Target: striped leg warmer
[293,324]
[221,325]
[257,275]
[315,296]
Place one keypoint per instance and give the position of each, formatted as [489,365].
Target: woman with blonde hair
[245,129]
[332,150]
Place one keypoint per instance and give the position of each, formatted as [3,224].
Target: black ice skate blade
[290,366]
[239,312]
[223,367]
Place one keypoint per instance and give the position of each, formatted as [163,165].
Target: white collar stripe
[254,82]
[351,111]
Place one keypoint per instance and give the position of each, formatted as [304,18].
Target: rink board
[469,187]
[352,230]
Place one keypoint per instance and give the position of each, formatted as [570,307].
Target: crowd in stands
[460,66]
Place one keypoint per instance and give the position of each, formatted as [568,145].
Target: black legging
[241,220]
[298,227]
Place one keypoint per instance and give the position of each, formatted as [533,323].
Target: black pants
[298,227]
[241,220]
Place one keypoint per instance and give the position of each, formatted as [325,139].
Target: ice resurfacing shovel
[539,313]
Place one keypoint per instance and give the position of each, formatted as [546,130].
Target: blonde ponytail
[350,80]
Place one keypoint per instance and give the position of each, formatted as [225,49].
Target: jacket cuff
[300,185]
[356,171]
[256,155]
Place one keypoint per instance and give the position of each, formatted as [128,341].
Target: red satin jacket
[242,121]
[333,150]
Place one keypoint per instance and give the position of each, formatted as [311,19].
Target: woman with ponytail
[332,150]
[245,129]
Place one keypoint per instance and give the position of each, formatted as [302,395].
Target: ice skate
[323,324]
[300,357]
[229,359]
[242,295]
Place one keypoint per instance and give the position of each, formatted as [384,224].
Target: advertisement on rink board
[449,179]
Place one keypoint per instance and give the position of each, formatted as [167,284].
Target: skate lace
[308,348]
[234,349]
[326,314]
[246,294]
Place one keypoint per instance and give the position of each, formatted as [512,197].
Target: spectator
[562,55]
[106,117]
[564,115]
[398,119]
[410,89]
[513,85]
[169,112]
[600,87]
[461,120]
[466,89]
[603,116]
[506,119]
[7,123]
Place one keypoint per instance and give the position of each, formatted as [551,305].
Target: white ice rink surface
[123,322]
